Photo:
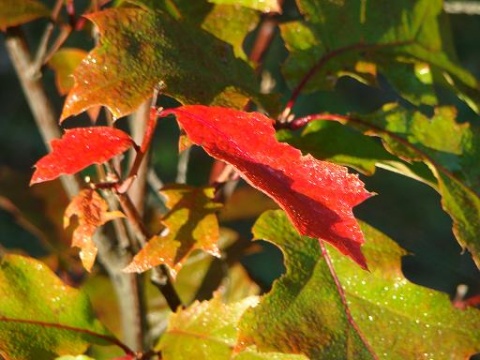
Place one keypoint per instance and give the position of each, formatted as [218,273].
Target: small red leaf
[92,212]
[79,148]
[317,196]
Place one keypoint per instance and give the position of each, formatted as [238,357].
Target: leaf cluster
[285,168]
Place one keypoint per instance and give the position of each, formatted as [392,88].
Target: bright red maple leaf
[317,196]
[79,148]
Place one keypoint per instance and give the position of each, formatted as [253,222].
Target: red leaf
[317,196]
[79,148]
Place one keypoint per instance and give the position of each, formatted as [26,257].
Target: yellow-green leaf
[305,313]
[41,317]
[190,224]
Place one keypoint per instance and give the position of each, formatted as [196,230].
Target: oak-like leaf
[190,224]
[79,148]
[140,48]
[318,196]
[305,312]
[92,212]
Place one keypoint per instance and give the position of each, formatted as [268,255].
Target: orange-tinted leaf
[92,212]
[18,12]
[140,48]
[318,196]
[191,224]
[64,62]
[79,148]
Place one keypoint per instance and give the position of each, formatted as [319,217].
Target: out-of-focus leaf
[413,81]
[451,151]
[190,224]
[371,31]
[208,330]
[13,12]
[399,320]
[261,5]
[245,203]
[92,212]
[40,317]
[318,196]
[79,148]
[303,313]
[41,206]
[64,62]
[231,24]
[139,49]
[72,357]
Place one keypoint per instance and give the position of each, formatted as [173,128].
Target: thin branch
[39,103]
[182,166]
[114,259]
[138,125]
[343,298]
[41,55]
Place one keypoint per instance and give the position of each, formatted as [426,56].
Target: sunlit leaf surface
[79,148]
[398,319]
[190,224]
[140,49]
[318,196]
[41,317]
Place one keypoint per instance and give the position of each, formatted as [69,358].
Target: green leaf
[41,317]
[64,62]
[303,313]
[383,33]
[451,151]
[413,81]
[228,22]
[231,24]
[140,49]
[261,5]
[400,320]
[330,141]
[190,224]
[18,12]
[326,140]
[209,330]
